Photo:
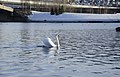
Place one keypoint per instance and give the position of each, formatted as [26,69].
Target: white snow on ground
[45,16]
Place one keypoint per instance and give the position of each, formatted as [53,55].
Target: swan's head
[57,36]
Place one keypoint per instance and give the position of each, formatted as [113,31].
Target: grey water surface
[87,50]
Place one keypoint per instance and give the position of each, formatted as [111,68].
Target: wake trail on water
[30,46]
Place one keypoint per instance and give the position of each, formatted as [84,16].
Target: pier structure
[81,6]
[9,14]
[68,6]
[5,12]
[2,7]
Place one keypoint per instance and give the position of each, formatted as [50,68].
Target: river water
[87,50]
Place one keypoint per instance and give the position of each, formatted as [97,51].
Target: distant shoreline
[46,17]
[30,21]
[73,21]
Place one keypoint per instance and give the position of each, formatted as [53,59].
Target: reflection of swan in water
[53,50]
[50,44]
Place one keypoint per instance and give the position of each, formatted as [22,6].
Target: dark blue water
[87,50]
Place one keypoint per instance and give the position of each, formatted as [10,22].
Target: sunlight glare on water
[87,50]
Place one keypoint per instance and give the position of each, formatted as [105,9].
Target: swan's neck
[58,42]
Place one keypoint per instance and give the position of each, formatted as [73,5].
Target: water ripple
[83,52]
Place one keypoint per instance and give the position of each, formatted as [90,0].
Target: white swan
[48,42]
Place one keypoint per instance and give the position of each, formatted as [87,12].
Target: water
[87,50]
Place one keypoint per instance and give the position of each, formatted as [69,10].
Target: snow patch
[46,16]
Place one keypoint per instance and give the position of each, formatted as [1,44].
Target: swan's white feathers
[48,42]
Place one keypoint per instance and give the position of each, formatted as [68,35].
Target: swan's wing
[48,42]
